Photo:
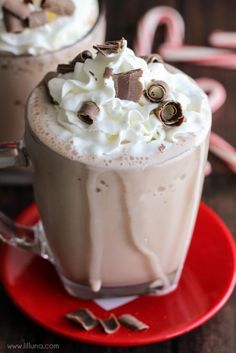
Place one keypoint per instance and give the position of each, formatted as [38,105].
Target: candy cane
[151,21]
[223,150]
[218,146]
[215,90]
[197,55]
[223,39]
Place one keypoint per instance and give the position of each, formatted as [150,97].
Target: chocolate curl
[60,7]
[49,76]
[84,318]
[157,91]
[18,9]
[169,113]
[88,112]
[154,58]
[128,85]
[65,68]
[37,18]
[132,323]
[12,23]
[110,325]
[162,148]
[82,57]
[107,72]
[111,47]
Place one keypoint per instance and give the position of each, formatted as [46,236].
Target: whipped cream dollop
[121,125]
[58,33]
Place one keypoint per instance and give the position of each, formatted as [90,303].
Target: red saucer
[208,280]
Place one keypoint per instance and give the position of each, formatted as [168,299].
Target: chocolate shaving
[60,7]
[82,57]
[169,113]
[65,68]
[162,148]
[111,47]
[37,18]
[84,318]
[49,76]
[132,322]
[107,72]
[18,9]
[88,112]
[128,86]
[110,325]
[157,91]
[154,58]
[12,23]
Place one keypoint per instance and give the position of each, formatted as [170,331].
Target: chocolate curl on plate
[84,318]
[60,7]
[111,47]
[132,323]
[18,9]
[157,91]
[169,113]
[12,23]
[88,112]
[65,68]
[128,85]
[82,57]
[37,18]
[110,325]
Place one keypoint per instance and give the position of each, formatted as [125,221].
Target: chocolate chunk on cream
[110,47]
[60,7]
[88,112]
[12,23]
[128,85]
[18,9]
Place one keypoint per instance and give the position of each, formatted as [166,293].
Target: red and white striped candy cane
[215,91]
[218,146]
[223,39]
[151,21]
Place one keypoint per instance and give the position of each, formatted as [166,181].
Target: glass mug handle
[30,238]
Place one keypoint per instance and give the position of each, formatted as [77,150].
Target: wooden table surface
[219,334]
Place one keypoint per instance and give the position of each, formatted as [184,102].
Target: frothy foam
[40,113]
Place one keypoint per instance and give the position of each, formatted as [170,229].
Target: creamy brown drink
[30,47]
[119,164]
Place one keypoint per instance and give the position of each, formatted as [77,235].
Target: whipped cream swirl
[124,126]
[60,32]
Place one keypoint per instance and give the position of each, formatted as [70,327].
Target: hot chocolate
[119,162]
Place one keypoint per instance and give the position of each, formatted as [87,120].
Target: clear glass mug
[21,73]
[135,243]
